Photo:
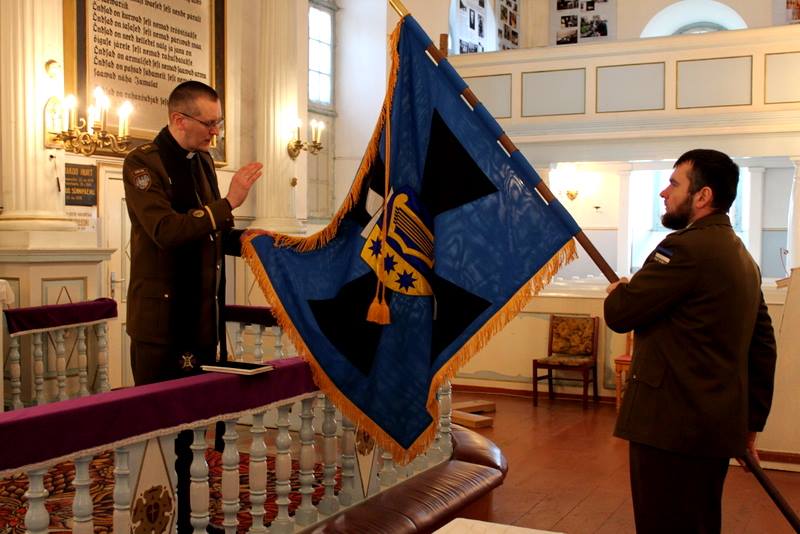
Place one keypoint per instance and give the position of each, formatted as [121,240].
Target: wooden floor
[567,473]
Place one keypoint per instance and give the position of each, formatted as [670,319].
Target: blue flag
[442,239]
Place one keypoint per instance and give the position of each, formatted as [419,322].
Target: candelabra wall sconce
[313,147]
[63,128]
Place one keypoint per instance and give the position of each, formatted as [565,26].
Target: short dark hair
[716,170]
[182,98]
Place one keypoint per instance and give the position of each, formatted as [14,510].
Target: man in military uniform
[703,366]
[181,229]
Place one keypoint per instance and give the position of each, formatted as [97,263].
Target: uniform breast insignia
[198,213]
[188,361]
[141,179]
[662,255]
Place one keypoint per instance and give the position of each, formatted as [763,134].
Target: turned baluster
[258,473]
[328,504]
[283,470]
[230,478]
[122,490]
[82,503]
[198,493]
[38,370]
[306,514]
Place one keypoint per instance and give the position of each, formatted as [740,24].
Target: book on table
[238,368]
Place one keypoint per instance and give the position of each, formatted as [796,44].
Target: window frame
[315,106]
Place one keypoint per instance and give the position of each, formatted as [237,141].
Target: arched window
[693,16]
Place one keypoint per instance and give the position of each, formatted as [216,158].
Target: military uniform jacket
[704,348]
[180,231]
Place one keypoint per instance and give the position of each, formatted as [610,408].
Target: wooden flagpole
[398,7]
[504,140]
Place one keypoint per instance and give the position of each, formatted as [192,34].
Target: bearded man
[701,380]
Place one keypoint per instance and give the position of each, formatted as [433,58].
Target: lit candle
[91,117]
[298,123]
[124,112]
[71,103]
[105,103]
[320,128]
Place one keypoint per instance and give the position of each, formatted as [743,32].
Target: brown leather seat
[432,498]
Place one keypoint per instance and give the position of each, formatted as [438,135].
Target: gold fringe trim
[479,340]
[319,239]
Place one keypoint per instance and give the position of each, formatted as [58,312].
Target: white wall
[633,15]
[360,84]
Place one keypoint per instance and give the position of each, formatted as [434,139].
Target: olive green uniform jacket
[180,231]
[704,348]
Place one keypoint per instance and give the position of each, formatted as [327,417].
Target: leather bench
[432,498]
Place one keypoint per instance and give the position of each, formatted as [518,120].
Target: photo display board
[582,21]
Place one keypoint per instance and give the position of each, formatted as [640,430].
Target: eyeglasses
[218,124]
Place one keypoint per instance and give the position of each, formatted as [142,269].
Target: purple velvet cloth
[250,315]
[39,433]
[21,320]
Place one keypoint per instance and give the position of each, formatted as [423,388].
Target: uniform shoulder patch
[141,179]
[198,213]
[148,147]
[662,255]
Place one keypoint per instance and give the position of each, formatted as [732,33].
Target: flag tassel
[379,312]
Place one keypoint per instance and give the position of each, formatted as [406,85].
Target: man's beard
[679,219]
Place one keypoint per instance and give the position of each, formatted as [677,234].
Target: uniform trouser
[152,362]
[675,492]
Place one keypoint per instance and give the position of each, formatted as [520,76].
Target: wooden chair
[571,346]
[622,365]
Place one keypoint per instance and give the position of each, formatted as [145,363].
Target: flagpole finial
[399,8]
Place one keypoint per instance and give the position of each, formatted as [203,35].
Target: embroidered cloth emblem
[188,361]
[141,179]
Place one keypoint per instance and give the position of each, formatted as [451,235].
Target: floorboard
[567,473]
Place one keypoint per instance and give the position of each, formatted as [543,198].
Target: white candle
[124,112]
[320,128]
[71,103]
[91,118]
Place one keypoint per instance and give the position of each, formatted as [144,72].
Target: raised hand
[241,183]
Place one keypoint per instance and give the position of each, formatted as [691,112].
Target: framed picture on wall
[155,46]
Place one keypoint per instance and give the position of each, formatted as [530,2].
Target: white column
[793,224]
[280,103]
[624,216]
[32,205]
[752,218]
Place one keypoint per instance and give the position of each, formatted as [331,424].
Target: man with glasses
[181,228]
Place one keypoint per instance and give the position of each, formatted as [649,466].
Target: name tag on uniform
[662,255]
